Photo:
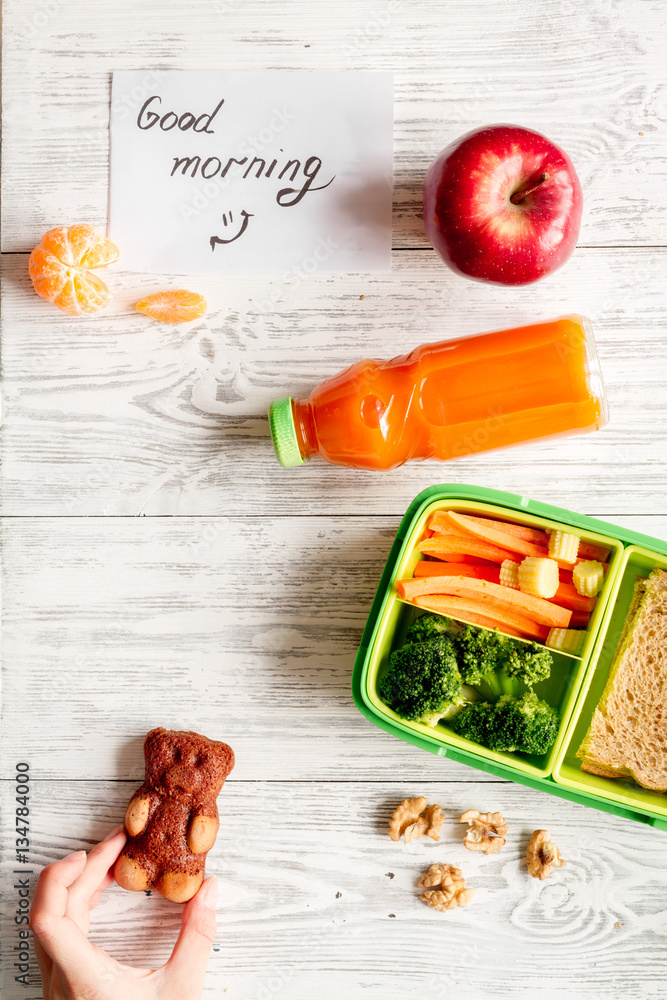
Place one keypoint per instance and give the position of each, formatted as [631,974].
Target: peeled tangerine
[179,306]
[61,268]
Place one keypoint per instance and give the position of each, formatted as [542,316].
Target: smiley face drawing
[214,240]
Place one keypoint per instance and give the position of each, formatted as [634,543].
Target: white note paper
[251,173]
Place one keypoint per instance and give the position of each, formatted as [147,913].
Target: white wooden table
[160,568]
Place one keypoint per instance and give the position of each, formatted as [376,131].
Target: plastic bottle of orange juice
[449,399]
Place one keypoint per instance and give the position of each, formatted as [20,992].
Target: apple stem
[522,193]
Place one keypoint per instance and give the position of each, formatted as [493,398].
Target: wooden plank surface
[242,628]
[314,894]
[235,603]
[588,74]
[119,415]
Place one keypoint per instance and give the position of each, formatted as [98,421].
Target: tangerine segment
[178,306]
[59,268]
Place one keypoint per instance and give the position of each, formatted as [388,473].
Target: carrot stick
[441,529]
[520,530]
[451,557]
[579,619]
[442,605]
[425,568]
[440,523]
[493,595]
[437,568]
[503,619]
[568,597]
[503,539]
[589,551]
[457,557]
[442,545]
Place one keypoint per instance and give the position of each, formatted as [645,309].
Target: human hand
[73,968]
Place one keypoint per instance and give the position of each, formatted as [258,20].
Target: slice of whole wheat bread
[628,733]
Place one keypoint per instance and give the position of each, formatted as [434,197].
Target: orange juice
[449,399]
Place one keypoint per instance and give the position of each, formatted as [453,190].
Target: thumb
[186,968]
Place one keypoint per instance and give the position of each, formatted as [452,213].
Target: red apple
[503,204]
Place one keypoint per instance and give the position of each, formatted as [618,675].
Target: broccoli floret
[430,626]
[445,665]
[472,721]
[529,663]
[498,665]
[480,653]
[521,668]
[526,724]
[423,683]
[487,659]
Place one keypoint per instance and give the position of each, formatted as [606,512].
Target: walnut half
[446,888]
[413,819]
[542,855]
[486,831]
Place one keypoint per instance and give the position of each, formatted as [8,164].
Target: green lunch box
[576,682]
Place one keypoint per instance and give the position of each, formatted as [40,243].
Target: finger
[59,936]
[50,900]
[186,968]
[98,863]
[94,875]
[97,895]
[113,832]
[45,966]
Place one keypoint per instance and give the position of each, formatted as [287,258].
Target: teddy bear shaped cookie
[172,819]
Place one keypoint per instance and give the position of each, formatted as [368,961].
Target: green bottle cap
[283,432]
